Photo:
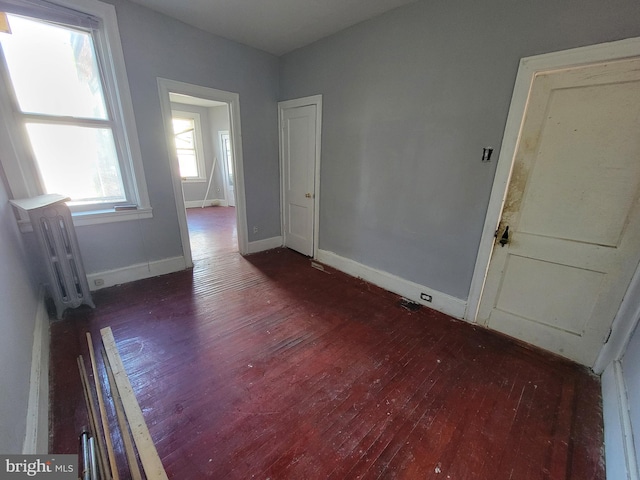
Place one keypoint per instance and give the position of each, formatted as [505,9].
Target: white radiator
[52,224]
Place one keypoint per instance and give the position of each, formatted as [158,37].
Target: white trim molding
[528,68]
[302,102]
[441,302]
[131,273]
[95,217]
[621,461]
[166,86]
[266,244]
[37,432]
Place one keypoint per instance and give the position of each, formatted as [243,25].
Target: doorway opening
[205,160]
[203,131]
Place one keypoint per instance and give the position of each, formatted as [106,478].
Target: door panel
[587,153]
[573,211]
[520,282]
[299,160]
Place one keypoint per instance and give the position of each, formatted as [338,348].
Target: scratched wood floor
[264,367]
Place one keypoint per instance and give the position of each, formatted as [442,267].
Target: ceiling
[275,26]
[199,102]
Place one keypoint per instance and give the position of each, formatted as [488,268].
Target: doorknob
[505,237]
[308,195]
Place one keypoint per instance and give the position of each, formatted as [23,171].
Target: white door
[573,212]
[227,167]
[298,151]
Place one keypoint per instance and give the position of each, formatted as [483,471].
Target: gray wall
[157,46]
[18,306]
[410,99]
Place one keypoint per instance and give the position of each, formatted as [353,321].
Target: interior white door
[299,164]
[573,212]
[227,161]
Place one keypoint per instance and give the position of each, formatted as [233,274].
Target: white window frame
[20,170]
[199,147]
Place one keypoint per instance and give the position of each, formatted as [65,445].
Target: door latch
[505,237]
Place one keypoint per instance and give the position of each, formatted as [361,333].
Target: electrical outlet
[255,229]
[426,297]
[98,282]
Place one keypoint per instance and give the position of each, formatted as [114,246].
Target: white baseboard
[442,302]
[37,431]
[620,457]
[215,202]
[266,244]
[139,271]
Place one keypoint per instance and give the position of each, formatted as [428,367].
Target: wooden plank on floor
[149,457]
[103,411]
[134,469]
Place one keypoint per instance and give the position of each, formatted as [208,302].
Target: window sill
[97,217]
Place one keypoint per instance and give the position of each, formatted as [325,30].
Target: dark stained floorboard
[264,367]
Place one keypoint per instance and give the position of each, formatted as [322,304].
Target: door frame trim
[528,68]
[165,86]
[282,106]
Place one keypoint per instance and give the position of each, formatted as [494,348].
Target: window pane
[184,130]
[185,140]
[181,125]
[79,162]
[188,163]
[53,69]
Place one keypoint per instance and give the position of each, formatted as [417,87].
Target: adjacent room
[368,239]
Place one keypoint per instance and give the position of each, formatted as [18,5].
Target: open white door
[573,211]
[299,152]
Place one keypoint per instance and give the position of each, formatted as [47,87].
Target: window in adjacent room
[58,76]
[188,140]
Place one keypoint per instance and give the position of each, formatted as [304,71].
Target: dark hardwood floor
[264,367]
